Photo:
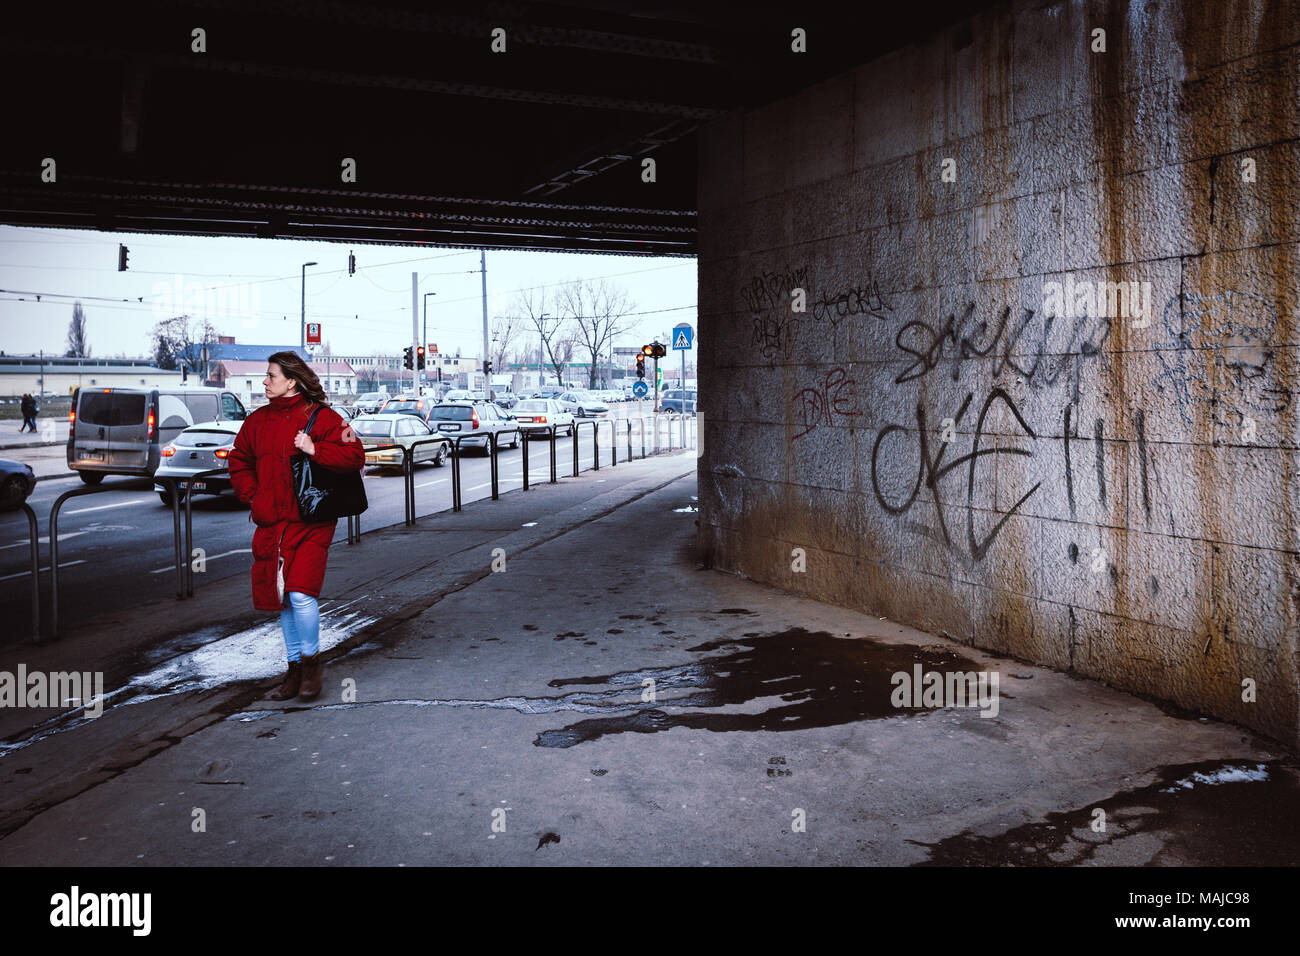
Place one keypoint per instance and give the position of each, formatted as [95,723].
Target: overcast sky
[258,300]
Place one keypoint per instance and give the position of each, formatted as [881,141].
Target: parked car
[536,416]
[505,398]
[17,481]
[549,391]
[419,407]
[397,428]
[458,395]
[677,401]
[480,419]
[370,402]
[121,431]
[201,447]
[611,395]
[583,404]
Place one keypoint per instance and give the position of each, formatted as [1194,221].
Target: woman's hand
[302,441]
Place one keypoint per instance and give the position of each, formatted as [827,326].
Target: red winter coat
[261,477]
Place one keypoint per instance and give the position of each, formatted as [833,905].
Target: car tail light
[153,421]
[224,452]
[540,419]
[473,416]
[168,450]
[72,423]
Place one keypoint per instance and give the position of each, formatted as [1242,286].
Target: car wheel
[166,496]
[440,459]
[91,477]
[582,413]
[515,443]
[14,492]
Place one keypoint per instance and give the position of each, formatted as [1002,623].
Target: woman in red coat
[261,476]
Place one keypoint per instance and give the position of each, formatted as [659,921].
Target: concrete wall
[955,446]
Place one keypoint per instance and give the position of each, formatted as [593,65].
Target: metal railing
[181,562]
[33,540]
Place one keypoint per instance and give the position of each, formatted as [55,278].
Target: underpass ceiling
[539,147]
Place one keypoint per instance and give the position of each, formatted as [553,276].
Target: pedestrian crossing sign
[682,337]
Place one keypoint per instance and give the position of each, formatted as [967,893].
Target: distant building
[21,374]
[245,378]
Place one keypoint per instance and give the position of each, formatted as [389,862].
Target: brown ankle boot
[292,681]
[311,677]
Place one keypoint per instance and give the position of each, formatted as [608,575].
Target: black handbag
[325,495]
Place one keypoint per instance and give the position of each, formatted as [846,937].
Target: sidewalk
[602,699]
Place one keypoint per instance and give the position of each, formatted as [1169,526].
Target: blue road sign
[682,336]
[639,389]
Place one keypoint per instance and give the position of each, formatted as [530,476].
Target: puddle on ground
[251,654]
[1215,813]
[823,679]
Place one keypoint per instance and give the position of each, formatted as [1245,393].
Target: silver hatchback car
[202,447]
[477,420]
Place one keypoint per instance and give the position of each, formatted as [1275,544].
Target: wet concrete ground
[604,700]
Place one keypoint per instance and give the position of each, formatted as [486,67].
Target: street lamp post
[302,324]
[541,348]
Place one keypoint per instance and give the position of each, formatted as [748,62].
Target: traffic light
[352,264]
[640,365]
[659,350]
[406,359]
[487,369]
[122,253]
[420,356]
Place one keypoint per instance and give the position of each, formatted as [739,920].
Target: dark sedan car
[17,481]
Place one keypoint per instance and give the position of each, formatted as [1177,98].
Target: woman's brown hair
[292,366]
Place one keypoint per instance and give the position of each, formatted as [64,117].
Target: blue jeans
[300,622]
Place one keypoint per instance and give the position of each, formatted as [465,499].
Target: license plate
[199,485]
[528,419]
[94,456]
[449,428]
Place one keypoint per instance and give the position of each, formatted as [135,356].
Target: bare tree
[507,332]
[597,311]
[77,347]
[541,317]
[183,339]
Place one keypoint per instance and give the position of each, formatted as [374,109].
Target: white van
[121,431]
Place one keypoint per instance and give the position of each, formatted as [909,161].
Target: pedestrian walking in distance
[29,409]
[284,544]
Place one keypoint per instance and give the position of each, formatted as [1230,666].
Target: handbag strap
[312,419]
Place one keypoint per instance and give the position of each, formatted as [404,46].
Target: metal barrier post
[492,453]
[188,548]
[555,434]
[455,477]
[629,439]
[595,445]
[613,444]
[33,539]
[525,435]
[575,449]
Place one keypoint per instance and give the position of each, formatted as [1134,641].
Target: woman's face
[276,384]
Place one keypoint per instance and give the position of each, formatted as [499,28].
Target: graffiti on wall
[830,397]
[1218,354]
[1039,348]
[931,470]
[770,299]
